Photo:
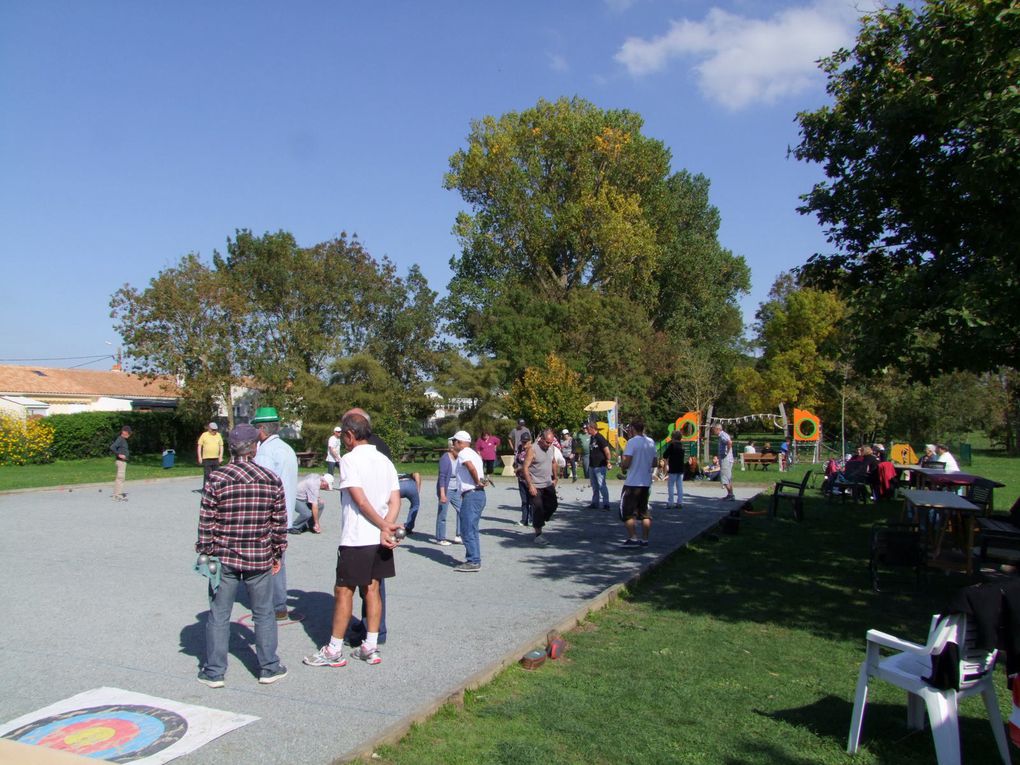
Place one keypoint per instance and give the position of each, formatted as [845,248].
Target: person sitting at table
[929,455]
[712,471]
[946,458]
[886,478]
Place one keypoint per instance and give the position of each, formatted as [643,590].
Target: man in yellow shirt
[210,449]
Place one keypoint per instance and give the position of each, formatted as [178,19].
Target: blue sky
[136,132]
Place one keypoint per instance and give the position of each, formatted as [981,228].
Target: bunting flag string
[770,417]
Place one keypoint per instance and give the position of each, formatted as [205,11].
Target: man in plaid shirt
[243,522]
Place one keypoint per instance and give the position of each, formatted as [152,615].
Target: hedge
[89,434]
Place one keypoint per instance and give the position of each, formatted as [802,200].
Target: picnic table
[922,477]
[423,453]
[307,459]
[757,460]
[950,528]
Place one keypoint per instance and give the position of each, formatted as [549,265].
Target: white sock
[336,644]
[371,639]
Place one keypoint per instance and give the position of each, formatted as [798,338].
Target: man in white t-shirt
[639,459]
[947,458]
[470,473]
[333,446]
[370,503]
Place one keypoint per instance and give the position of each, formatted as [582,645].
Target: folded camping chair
[912,663]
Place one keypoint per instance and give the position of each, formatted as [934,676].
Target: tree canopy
[581,242]
[921,152]
[287,319]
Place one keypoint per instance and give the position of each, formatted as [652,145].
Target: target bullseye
[115,733]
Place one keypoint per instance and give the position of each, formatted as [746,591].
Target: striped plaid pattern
[243,520]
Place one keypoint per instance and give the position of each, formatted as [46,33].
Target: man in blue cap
[240,502]
[276,455]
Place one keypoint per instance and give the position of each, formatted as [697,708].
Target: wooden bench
[307,459]
[423,454]
[757,460]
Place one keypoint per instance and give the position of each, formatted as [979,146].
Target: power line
[60,358]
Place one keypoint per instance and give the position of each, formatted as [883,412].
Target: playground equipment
[903,454]
[806,426]
[610,427]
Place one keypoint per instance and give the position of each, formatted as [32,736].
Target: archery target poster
[122,726]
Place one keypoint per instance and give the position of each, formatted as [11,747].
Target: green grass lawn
[95,470]
[739,649]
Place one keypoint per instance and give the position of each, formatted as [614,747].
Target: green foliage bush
[89,434]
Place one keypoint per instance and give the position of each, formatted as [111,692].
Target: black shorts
[634,502]
[358,566]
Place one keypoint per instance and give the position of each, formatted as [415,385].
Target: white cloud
[558,63]
[743,60]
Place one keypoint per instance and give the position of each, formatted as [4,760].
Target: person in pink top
[486,446]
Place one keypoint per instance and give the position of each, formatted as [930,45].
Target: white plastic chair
[907,668]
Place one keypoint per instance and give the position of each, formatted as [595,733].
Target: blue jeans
[280,586]
[597,476]
[471,506]
[409,490]
[452,498]
[675,482]
[522,487]
[217,629]
[302,515]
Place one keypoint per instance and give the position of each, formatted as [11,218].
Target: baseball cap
[213,426]
[243,434]
[462,435]
[338,429]
[564,432]
[328,480]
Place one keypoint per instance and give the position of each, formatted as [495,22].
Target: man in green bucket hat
[276,455]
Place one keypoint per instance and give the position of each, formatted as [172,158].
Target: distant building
[34,391]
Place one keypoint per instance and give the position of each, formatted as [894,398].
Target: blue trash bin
[168,458]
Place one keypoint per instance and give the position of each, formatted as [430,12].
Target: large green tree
[802,335]
[190,324]
[921,152]
[294,321]
[581,241]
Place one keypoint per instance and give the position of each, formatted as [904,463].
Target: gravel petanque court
[102,593]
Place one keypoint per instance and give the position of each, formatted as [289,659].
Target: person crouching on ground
[243,521]
[308,506]
[370,503]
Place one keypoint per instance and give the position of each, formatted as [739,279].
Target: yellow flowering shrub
[24,442]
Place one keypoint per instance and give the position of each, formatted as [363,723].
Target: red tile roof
[41,381]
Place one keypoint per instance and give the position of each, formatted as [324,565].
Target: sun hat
[265,414]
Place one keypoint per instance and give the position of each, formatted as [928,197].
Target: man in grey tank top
[540,471]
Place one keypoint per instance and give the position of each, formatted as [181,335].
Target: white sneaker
[458,540]
[444,542]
